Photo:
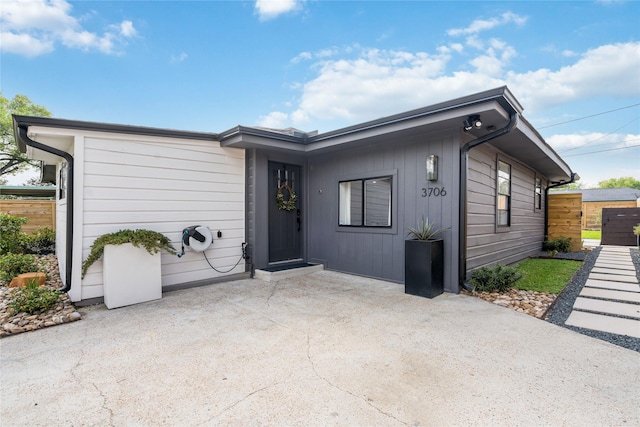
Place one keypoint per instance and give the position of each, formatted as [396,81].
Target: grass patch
[546,275]
[592,234]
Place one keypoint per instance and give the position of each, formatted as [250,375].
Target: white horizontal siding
[165,185]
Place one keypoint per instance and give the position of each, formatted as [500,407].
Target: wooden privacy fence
[617,226]
[39,213]
[565,218]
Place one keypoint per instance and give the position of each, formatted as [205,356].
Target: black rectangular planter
[424,267]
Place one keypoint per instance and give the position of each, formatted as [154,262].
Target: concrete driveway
[323,349]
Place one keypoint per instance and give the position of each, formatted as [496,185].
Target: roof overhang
[60,134]
[28,191]
[495,106]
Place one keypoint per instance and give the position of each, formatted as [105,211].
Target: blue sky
[322,65]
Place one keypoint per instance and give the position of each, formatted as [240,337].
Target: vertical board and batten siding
[488,244]
[39,213]
[165,185]
[565,218]
[375,252]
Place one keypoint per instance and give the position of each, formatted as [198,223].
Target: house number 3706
[434,192]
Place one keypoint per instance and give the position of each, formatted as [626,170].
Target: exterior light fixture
[472,122]
[432,167]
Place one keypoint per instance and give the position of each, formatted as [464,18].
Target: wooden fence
[617,226]
[565,218]
[592,212]
[39,213]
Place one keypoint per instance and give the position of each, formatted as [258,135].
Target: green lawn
[546,275]
[592,234]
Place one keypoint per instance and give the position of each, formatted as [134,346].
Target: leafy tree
[12,160]
[573,186]
[624,182]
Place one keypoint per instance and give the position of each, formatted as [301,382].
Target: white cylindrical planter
[130,275]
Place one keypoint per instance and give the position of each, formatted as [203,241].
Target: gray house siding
[379,252]
[488,243]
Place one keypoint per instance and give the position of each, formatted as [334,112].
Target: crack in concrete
[273,292]
[365,400]
[77,378]
[104,403]
[236,403]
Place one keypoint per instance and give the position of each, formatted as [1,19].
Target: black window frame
[363,212]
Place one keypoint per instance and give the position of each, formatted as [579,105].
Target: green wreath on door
[286,205]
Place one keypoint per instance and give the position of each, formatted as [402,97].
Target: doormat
[284,267]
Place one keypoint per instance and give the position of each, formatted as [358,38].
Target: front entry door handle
[298,219]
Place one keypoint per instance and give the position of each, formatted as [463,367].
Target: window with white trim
[504,194]
[538,194]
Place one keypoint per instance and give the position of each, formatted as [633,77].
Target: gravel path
[561,308]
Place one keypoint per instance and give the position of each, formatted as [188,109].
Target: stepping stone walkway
[610,299]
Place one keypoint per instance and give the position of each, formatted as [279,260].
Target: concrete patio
[322,349]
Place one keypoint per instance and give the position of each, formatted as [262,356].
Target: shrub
[12,265]
[42,242]
[10,236]
[494,279]
[34,298]
[152,241]
[561,244]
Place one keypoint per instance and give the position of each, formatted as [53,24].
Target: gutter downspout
[462,221]
[574,178]
[23,130]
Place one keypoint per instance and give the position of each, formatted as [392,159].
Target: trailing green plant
[10,235]
[636,229]
[33,298]
[13,265]
[42,242]
[152,241]
[425,230]
[494,279]
[561,244]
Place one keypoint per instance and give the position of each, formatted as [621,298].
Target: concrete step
[599,322]
[615,248]
[613,258]
[611,294]
[273,276]
[605,284]
[615,265]
[613,277]
[609,307]
[617,271]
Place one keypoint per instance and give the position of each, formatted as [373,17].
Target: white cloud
[376,82]
[480,25]
[24,44]
[127,30]
[592,141]
[270,9]
[33,27]
[274,120]
[178,58]
[610,70]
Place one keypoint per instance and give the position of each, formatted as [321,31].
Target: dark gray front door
[285,217]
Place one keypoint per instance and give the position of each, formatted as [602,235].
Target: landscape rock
[23,280]
[15,323]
